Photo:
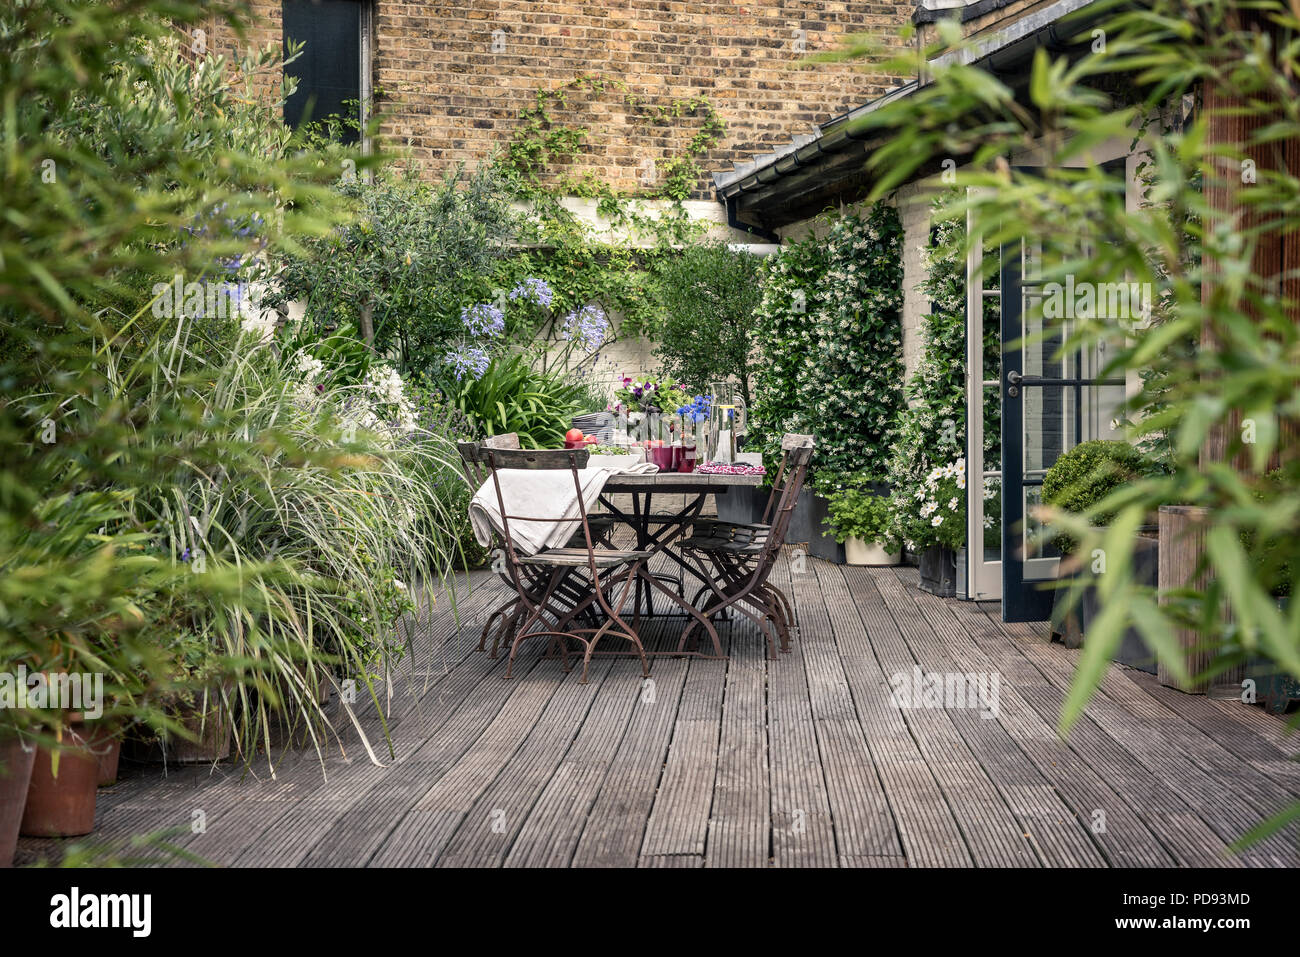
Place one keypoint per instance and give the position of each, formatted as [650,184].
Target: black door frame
[1025,600]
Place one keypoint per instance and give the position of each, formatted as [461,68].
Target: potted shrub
[16,760]
[61,793]
[864,522]
[1079,480]
[932,520]
[651,408]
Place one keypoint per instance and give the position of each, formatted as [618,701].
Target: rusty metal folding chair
[736,559]
[600,570]
[510,614]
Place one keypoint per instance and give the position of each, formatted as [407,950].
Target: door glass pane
[1036,540]
[1049,418]
[329,69]
[992,516]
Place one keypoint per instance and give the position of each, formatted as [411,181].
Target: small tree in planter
[708,296]
[1077,482]
[864,521]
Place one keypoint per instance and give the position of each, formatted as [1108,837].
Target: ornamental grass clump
[329,490]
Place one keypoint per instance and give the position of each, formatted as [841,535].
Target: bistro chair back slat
[790,442]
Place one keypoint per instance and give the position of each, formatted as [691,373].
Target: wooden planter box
[1072,627]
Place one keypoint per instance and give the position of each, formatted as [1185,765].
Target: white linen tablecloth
[540,494]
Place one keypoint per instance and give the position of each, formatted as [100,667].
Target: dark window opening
[329,69]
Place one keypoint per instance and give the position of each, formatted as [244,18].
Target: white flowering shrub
[934,512]
[784,334]
[931,429]
[379,404]
[831,332]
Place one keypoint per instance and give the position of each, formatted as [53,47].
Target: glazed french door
[983,432]
[1051,401]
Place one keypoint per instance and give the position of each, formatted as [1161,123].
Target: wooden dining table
[657,532]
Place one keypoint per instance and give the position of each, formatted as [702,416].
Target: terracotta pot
[63,806]
[106,744]
[15,775]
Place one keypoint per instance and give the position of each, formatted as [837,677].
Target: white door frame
[983,578]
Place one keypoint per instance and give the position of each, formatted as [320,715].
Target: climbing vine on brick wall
[542,145]
[583,266]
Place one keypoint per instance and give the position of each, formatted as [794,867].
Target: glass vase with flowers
[649,405]
[694,418]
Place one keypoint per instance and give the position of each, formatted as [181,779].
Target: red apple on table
[573,439]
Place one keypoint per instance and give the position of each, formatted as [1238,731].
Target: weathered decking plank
[740,813]
[1228,811]
[802,761]
[803,832]
[928,830]
[864,823]
[994,834]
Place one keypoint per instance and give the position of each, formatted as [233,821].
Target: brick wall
[454,76]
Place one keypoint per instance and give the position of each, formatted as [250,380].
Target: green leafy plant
[782,329]
[708,297]
[543,148]
[856,511]
[512,396]
[931,428]
[413,254]
[127,166]
[831,336]
[1086,475]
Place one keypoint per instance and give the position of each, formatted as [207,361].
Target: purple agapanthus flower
[586,327]
[471,361]
[536,291]
[483,319]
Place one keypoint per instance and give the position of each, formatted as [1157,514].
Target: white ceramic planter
[859,552]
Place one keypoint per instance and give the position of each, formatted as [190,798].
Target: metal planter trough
[807,524]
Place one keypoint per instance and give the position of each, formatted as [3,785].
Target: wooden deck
[792,763]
